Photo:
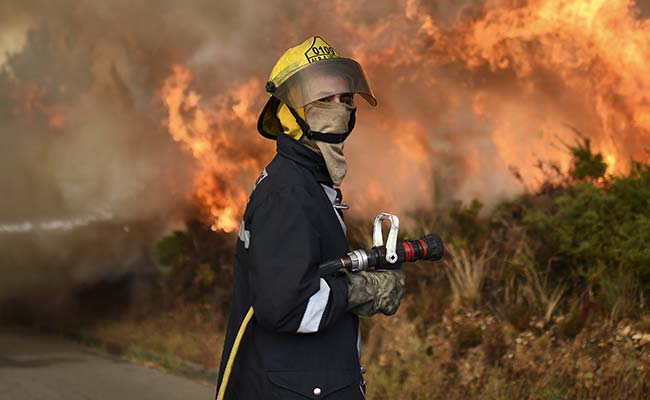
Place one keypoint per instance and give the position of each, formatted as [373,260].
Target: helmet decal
[320,50]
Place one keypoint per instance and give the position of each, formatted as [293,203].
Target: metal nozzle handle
[391,242]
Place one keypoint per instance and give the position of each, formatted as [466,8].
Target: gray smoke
[89,174]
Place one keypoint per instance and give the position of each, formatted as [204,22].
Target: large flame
[526,73]
[208,130]
[592,53]
[465,94]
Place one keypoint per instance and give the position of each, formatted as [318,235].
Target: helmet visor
[323,79]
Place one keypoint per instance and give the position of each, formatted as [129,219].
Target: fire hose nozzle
[429,247]
[390,256]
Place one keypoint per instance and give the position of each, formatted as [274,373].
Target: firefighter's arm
[288,293]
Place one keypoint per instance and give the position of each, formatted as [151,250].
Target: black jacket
[301,343]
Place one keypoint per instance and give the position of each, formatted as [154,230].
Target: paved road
[35,367]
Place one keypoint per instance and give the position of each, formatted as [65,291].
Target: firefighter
[292,334]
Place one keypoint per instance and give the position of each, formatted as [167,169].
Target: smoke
[97,157]
[90,176]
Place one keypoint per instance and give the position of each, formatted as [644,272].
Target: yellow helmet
[308,72]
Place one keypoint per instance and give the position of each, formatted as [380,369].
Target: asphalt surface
[40,367]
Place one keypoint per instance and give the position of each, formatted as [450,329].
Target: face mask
[328,122]
[329,118]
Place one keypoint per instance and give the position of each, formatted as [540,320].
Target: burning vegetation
[215,132]
[468,92]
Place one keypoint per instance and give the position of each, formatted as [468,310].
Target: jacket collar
[296,151]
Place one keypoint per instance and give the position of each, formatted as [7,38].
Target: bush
[196,263]
[598,230]
[586,164]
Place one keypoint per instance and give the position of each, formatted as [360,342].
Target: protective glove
[370,292]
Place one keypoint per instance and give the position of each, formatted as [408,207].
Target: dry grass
[465,355]
[603,361]
[447,341]
[539,292]
[466,273]
[189,332]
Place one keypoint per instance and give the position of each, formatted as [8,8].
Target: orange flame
[208,130]
[513,79]
[462,97]
[599,50]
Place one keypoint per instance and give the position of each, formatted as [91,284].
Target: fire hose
[380,256]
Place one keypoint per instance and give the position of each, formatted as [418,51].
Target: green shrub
[586,164]
[598,230]
[196,263]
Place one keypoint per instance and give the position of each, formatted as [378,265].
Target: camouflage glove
[370,292]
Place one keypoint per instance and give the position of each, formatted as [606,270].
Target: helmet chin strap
[320,136]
